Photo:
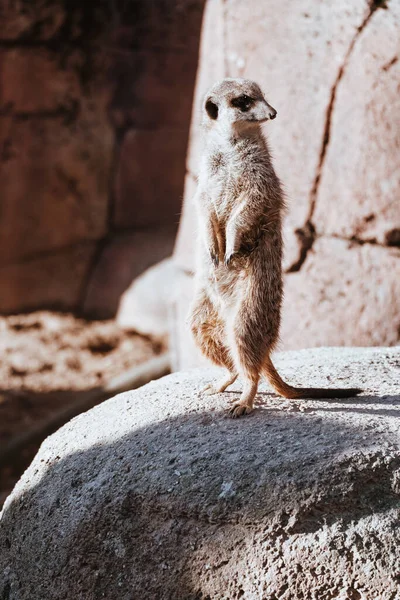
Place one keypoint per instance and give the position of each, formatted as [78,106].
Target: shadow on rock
[150,495]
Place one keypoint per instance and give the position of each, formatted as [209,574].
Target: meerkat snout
[237,103]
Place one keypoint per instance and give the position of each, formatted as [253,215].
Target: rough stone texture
[331,71]
[149,179]
[157,494]
[346,294]
[23,19]
[153,89]
[34,82]
[56,148]
[144,307]
[121,260]
[359,192]
[56,280]
[95,104]
[55,166]
[298,84]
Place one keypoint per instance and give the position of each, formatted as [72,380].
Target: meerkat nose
[272,114]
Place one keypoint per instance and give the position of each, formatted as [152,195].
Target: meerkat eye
[242,102]
[212,109]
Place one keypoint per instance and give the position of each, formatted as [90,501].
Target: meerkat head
[236,103]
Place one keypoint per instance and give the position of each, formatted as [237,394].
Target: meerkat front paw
[214,257]
[239,409]
[209,389]
[229,258]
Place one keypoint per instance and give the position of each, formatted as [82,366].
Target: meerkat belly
[227,286]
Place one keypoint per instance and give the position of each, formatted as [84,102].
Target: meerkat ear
[212,109]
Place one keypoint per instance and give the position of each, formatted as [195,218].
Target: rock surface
[151,166]
[360,186]
[326,301]
[157,494]
[123,258]
[260,44]
[56,151]
[144,307]
[64,272]
[95,104]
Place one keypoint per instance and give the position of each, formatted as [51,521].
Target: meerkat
[236,312]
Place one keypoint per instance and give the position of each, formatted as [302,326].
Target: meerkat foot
[228,259]
[214,258]
[209,389]
[244,405]
[239,409]
[219,386]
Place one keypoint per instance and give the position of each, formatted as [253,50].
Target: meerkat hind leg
[220,385]
[245,404]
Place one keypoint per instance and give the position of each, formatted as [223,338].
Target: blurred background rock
[95,104]
[100,106]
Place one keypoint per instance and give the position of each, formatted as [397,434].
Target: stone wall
[95,104]
[332,72]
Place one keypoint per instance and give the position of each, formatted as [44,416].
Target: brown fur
[235,316]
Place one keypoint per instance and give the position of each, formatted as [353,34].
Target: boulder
[144,307]
[40,22]
[345,294]
[157,494]
[360,184]
[55,280]
[151,167]
[123,258]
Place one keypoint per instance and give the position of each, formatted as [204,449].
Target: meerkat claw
[214,259]
[209,390]
[228,259]
[238,410]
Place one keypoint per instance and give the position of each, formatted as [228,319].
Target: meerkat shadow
[270,400]
[374,405]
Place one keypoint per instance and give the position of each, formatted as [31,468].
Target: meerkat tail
[288,391]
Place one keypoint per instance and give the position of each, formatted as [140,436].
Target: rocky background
[95,105]
[332,71]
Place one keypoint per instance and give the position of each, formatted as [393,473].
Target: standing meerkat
[236,312]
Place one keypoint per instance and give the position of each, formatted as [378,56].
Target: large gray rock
[324,301]
[157,494]
[360,184]
[144,307]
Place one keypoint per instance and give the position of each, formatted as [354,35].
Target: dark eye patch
[212,109]
[242,102]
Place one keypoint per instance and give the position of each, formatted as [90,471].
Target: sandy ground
[48,361]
